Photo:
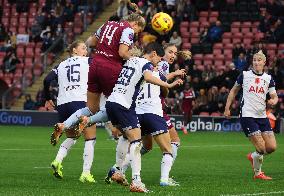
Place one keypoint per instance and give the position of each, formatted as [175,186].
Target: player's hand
[176,83]
[49,105]
[180,72]
[227,113]
[272,102]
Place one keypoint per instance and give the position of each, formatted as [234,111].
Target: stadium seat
[271,46]
[227,35]
[193,29]
[204,113]
[218,46]
[198,56]
[226,41]
[200,67]
[215,114]
[203,14]
[214,14]
[245,30]
[184,24]
[235,30]
[194,24]
[186,46]
[217,51]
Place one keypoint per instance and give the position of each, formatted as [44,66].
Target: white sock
[121,151]
[74,117]
[125,164]
[166,165]
[175,146]
[257,162]
[88,155]
[100,116]
[135,159]
[64,148]
[108,129]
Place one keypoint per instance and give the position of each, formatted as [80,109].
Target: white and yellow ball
[162,23]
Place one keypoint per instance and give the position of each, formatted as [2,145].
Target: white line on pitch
[252,194]
[102,148]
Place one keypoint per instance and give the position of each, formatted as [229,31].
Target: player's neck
[259,73]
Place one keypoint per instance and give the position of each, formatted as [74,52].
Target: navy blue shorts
[152,124]
[122,117]
[252,126]
[67,109]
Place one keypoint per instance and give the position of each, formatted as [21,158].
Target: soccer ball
[162,23]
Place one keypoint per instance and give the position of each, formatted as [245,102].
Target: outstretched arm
[231,97]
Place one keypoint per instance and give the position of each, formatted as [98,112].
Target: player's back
[72,79]
[110,36]
[148,100]
[128,84]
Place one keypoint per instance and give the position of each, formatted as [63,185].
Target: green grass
[207,164]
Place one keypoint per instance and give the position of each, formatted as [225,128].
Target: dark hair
[74,45]
[154,46]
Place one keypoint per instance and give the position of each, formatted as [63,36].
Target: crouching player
[72,75]
[255,85]
[120,105]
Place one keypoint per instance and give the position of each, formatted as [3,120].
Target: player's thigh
[270,141]
[133,134]
[174,135]
[90,132]
[258,142]
[93,101]
[164,142]
[147,141]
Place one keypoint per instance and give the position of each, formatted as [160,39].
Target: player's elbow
[123,52]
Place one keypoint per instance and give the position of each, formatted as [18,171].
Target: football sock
[88,155]
[166,165]
[135,159]
[175,146]
[125,164]
[121,150]
[257,162]
[108,129]
[64,148]
[75,116]
[100,116]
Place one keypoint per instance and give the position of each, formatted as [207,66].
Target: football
[162,23]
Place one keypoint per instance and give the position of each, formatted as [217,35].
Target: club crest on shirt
[131,37]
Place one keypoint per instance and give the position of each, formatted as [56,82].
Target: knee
[93,108]
[270,149]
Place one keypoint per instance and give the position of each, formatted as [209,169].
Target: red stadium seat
[184,24]
[227,35]
[237,35]
[237,40]
[20,52]
[217,51]
[218,46]
[203,14]
[271,46]
[236,24]
[200,67]
[203,20]
[208,57]
[235,29]
[198,62]
[30,52]
[226,41]
[219,56]
[194,24]
[281,47]
[184,40]
[22,30]
[247,24]
[215,114]
[228,46]
[198,56]
[218,62]
[214,14]
[204,113]
[193,29]
[194,40]
[213,19]
[186,46]
[185,34]
[245,30]
[207,62]
[204,24]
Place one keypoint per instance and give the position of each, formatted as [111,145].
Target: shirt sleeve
[271,87]
[98,32]
[240,79]
[127,36]
[147,67]
[162,77]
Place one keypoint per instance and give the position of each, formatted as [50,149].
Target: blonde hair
[136,51]
[136,18]
[260,54]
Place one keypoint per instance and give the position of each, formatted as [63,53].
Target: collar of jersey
[257,73]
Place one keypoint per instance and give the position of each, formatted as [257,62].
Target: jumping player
[112,42]
[71,75]
[120,105]
[255,85]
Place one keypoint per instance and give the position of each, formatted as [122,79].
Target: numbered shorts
[67,109]
[123,118]
[152,124]
[252,126]
[168,120]
[103,76]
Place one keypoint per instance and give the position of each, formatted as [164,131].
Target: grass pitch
[208,163]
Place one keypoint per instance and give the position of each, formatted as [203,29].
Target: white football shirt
[255,88]
[164,67]
[148,100]
[128,83]
[72,79]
